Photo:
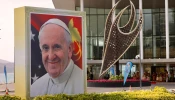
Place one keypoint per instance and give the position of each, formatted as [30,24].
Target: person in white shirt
[62,76]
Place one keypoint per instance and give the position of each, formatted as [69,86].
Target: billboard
[54,51]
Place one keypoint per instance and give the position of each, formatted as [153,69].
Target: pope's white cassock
[69,82]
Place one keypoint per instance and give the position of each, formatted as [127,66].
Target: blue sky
[7,23]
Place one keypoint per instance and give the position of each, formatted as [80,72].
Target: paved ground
[169,86]
[10,87]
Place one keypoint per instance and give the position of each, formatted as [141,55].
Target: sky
[7,23]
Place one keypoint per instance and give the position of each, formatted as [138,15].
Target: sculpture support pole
[141,48]
[167,35]
[140,69]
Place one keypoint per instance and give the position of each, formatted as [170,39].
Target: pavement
[169,86]
[10,86]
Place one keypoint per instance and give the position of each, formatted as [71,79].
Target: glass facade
[95,19]
[154,40]
[154,33]
[172,31]
[154,36]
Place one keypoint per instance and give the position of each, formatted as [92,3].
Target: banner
[5,72]
[112,71]
[127,70]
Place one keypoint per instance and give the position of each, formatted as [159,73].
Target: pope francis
[62,76]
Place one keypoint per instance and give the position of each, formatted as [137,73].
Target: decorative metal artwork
[117,40]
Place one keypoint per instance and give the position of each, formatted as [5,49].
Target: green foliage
[7,97]
[160,89]
[116,77]
[112,77]
[121,77]
[158,93]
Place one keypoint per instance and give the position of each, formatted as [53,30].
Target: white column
[167,33]
[141,42]
[81,5]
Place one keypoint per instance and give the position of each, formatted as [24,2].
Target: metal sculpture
[117,40]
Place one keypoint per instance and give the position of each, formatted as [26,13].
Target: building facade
[155,45]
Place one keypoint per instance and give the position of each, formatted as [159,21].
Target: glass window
[147,11]
[162,9]
[124,20]
[156,46]
[153,31]
[86,10]
[91,47]
[171,23]
[135,22]
[132,55]
[95,47]
[93,25]
[134,49]
[159,24]
[155,10]
[126,11]
[147,47]
[95,70]
[117,11]
[77,8]
[105,17]
[101,44]
[88,25]
[93,11]
[107,11]
[101,25]
[172,46]
[171,9]
[100,11]
[163,48]
[156,26]
[137,11]
[147,32]
[172,41]
[147,24]
[162,24]
[160,47]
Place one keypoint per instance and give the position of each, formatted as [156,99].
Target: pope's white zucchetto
[56,22]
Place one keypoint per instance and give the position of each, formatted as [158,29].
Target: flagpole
[141,44]
[5,72]
[140,74]
[6,85]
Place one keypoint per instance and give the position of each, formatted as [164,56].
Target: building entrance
[172,74]
[159,74]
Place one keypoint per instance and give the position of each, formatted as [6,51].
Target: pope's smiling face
[55,48]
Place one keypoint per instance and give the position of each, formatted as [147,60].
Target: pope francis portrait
[62,76]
